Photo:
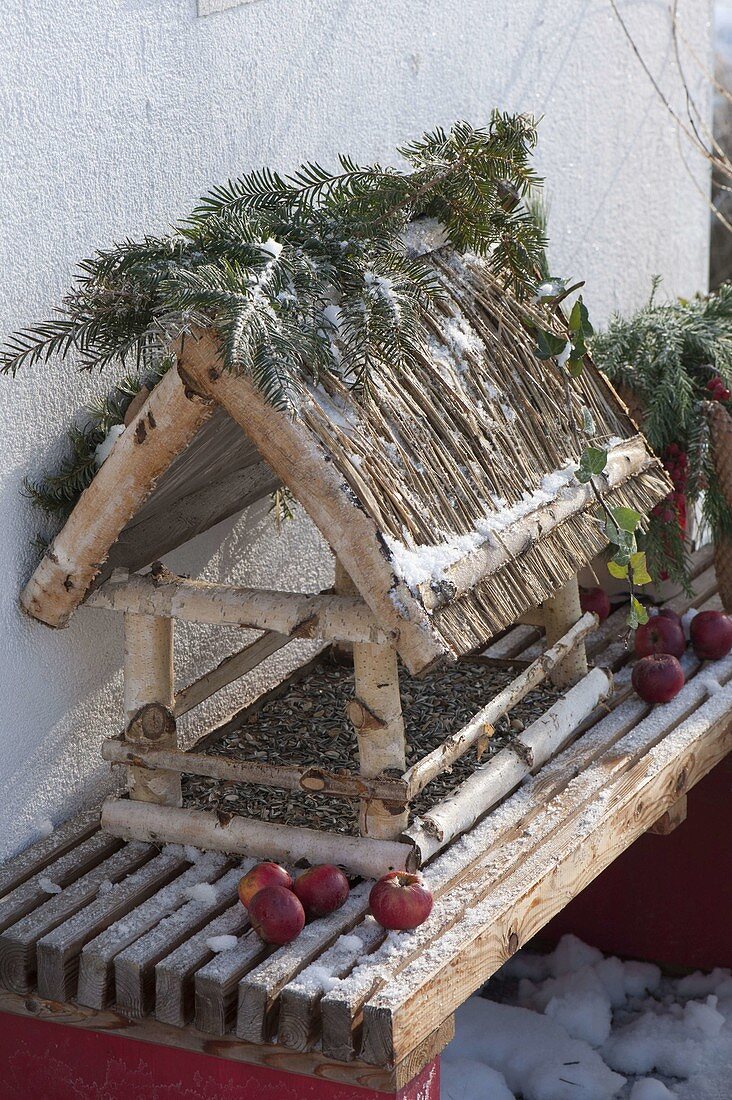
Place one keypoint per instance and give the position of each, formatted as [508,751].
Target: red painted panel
[49,1061]
[667,899]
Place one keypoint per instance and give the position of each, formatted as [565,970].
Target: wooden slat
[96,966]
[231,668]
[38,856]
[61,873]
[174,975]
[58,952]
[217,983]
[18,943]
[594,831]
[134,968]
[674,816]
[299,1017]
[356,1074]
[258,991]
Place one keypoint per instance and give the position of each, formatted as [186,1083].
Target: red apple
[321,889]
[400,900]
[597,600]
[711,635]
[660,635]
[261,875]
[658,678]
[276,915]
[667,613]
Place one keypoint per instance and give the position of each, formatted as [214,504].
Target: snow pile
[42,826]
[203,892]
[47,886]
[574,1025]
[221,943]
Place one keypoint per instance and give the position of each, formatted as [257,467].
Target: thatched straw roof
[461,467]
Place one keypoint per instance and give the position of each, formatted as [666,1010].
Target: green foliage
[57,493]
[666,354]
[307,273]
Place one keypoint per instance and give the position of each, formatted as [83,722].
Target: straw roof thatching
[463,465]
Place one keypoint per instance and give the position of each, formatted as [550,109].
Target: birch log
[288,777]
[167,422]
[457,744]
[344,586]
[376,714]
[502,773]
[149,701]
[246,836]
[230,669]
[561,612]
[292,613]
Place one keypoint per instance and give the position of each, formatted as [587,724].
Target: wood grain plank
[18,943]
[58,952]
[96,965]
[217,983]
[35,858]
[60,873]
[134,967]
[259,991]
[174,975]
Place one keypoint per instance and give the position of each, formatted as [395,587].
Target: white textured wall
[117,114]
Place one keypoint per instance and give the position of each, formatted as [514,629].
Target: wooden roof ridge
[438,488]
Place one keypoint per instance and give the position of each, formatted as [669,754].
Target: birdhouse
[447,492]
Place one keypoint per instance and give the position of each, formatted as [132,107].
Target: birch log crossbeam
[284,776]
[335,618]
[247,836]
[455,746]
[230,669]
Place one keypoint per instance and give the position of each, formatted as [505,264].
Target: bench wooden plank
[134,967]
[299,1020]
[18,943]
[58,952]
[96,966]
[217,983]
[38,856]
[60,873]
[594,831]
[258,991]
[174,975]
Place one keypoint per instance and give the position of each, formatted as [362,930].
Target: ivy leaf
[588,424]
[575,366]
[579,320]
[637,614]
[548,345]
[593,460]
[627,519]
[638,564]
[620,572]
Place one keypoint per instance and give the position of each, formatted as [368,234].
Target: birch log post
[561,612]
[500,775]
[167,422]
[344,586]
[149,701]
[376,714]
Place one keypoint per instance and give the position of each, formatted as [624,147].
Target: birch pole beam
[230,669]
[561,612]
[245,836]
[457,744]
[296,614]
[376,714]
[165,425]
[149,702]
[500,775]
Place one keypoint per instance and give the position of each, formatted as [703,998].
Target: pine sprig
[306,274]
[666,354]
